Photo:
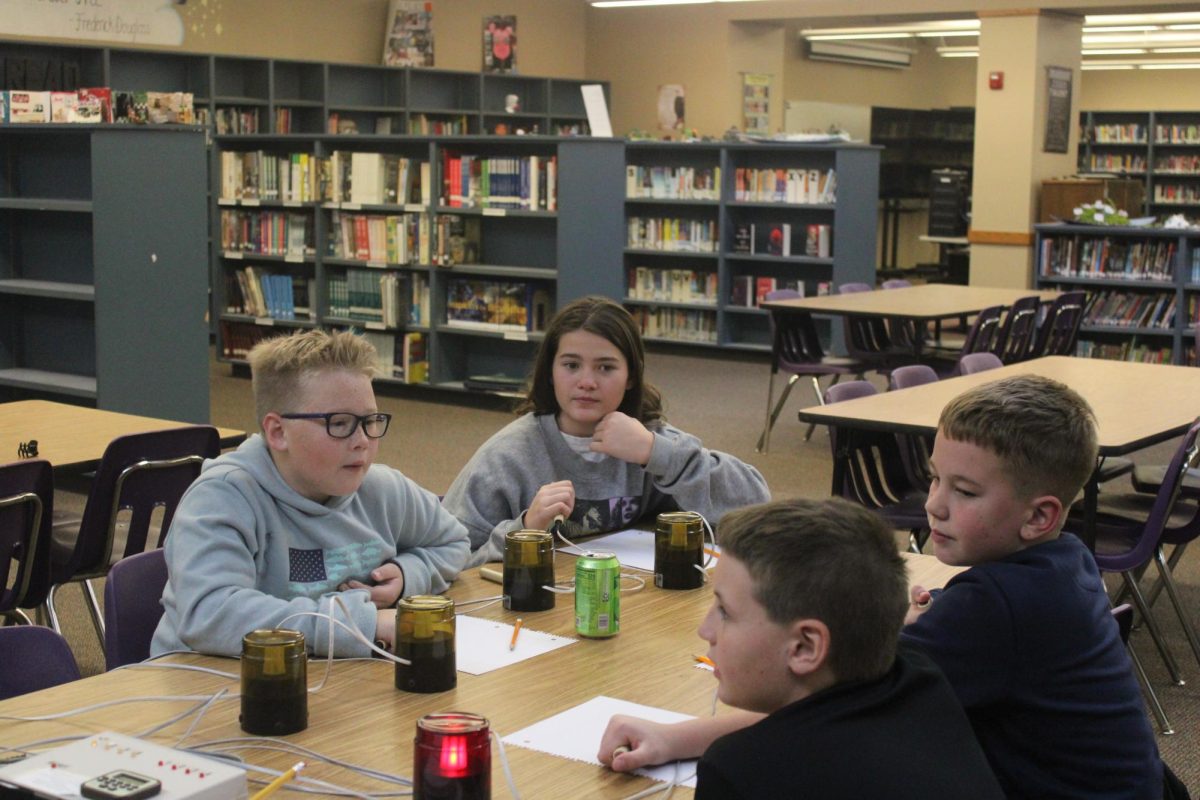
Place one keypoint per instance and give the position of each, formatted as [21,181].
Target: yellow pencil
[274,785]
[712,552]
[705,660]
[516,629]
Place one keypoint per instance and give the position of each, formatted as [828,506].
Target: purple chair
[138,475]
[1016,332]
[981,337]
[796,349]
[133,607]
[866,338]
[33,658]
[914,448]
[1131,530]
[1123,614]
[26,506]
[868,469]
[978,362]
[1059,330]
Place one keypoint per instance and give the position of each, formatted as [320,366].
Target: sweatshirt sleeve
[431,546]
[698,479]
[213,598]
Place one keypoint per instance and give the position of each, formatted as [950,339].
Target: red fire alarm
[996,80]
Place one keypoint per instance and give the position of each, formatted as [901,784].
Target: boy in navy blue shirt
[1025,635]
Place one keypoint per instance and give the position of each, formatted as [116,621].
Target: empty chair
[138,475]
[1057,334]
[981,337]
[133,607]
[866,339]
[912,375]
[896,283]
[903,332]
[33,658]
[26,505]
[914,448]
[796,349]
[1015,338]
[978,362]
[1123,614]
[869,470]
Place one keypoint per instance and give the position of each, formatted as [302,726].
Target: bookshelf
[1159,148]
[1143,287]
[685,272]
[97,220]
[918,141]
[559,249]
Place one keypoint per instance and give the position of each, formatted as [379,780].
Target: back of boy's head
[610,321]
[829,560]
[278,366]
[1043,432]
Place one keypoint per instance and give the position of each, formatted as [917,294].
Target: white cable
[263,743]
[491,599]
[105,704]
[641,583]
[508,776]
[171,665]
[199,716]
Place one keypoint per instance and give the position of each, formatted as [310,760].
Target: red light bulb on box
[452,759]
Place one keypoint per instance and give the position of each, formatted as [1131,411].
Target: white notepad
[576,734]
[633,548]
[482,644]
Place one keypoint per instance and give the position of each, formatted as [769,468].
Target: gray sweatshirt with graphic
[246,551]
[497,485]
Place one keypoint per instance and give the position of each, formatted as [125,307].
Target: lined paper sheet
[576,734]
[482,644]
[633,548]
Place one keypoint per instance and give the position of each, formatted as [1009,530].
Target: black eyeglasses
[342,424]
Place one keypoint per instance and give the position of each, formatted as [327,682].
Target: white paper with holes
[482,644]
[576,734]
[633,548]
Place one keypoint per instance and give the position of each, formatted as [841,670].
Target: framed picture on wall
[670,107]
[500,43]
[1058,110]
[408,35]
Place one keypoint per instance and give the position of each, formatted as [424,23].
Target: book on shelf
[749,291]
[672,234]
[779,239]
[401,357]
[493,305]
[271,233]
[817,240]
[680,324]
[527,183]
[785,185]
[237,338]
[379,238]
[673,183]
[63,106]
[495,382]
[28,107]
[672,285]
[743,237]
[458,240]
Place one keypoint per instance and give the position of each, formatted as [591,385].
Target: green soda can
[597,595]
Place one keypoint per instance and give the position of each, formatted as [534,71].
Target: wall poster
[756,103]
[1058,110]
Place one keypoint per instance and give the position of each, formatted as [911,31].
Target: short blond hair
[279,365]
[1043,432]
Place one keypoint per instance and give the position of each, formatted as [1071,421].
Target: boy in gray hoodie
[298,517]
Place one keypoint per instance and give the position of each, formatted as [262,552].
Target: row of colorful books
[401,357]
[426,125]
[1182,193]
[234,120]
[777,239]
[1177,164]
[1130,310]
[237,338]
[1129,350]
[491,305]
[261,175]
[681,324]
[391,299]
[375,179]
[268,233]
[673,183]
[1146,260]
[528,183]
[672,285]
[378,238]
[672,233]
[1131,133]
[96,104]
[258,292]
[749,291]
[1116,162]
[1176,134]
[782,185]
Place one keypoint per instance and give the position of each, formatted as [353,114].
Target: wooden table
[361,717]
[1136,405]
[74,437]
[925,303]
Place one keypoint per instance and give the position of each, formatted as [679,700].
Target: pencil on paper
[274,785]
[705,660]
[516,629]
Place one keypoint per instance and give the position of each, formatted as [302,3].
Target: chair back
[33,658]
[978,362]
[984,331]
[133,607]
[865,338]
[1060,328]
[911,375]
[26,507]
[896,283]
[852,287]
[138,473]
[795,342]
[873,473]
[1016,333]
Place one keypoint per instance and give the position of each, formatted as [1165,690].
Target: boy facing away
[808,602]
[1025,636]
[298,519]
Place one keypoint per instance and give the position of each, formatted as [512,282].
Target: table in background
[925,303]
[360,716]
[1136,405]
[75,437]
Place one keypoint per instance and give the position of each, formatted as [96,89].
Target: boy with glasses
[297,518]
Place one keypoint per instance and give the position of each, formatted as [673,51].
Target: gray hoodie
[245,551]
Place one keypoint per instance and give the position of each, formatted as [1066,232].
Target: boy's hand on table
[621,436]
[388,585]
[642,743]
[920,599]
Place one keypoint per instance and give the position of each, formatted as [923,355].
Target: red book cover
[95,105]
[362,238]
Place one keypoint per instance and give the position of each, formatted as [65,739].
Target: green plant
[1101,212]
